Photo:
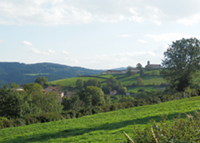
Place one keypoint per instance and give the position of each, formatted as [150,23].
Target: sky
[95,34]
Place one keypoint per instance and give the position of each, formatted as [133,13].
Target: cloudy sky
[96,34]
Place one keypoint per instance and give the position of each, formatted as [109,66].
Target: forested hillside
[21,73]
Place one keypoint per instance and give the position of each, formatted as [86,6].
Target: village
[70,94]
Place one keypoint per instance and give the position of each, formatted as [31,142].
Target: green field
[99,127]
[72,81]
[125,80]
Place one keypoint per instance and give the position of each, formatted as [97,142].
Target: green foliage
[50,102]
[139,66]
[67,103]
[14,85]
[181,63]
[141,73]
[139,81]
[99,127]
[41,80]
[154,72]
[91,82]
[79,83]
[179,131]
[129,70]
[12,103]
[92,95]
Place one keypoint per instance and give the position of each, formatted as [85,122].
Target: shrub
[5,123]
[30,119]
[19,122]
[180,130]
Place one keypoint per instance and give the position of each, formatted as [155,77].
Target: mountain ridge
[22,73]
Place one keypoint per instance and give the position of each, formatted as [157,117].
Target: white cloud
[1,41]
[51,51]
[27,43]
[66,53]
[168,36]
[142,41]
[38,52]
[59,12]
[124,35]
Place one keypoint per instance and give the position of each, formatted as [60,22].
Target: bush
[30,119]
[141,90]
[178,131]
[5,123]
[19,122]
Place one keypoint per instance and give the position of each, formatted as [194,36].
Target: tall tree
[139,66]
[129,70]
[92,94]
[139,81]
[141,72]
[79,83]
[181,62]
[41,80]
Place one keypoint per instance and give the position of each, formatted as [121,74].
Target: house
[51,89]
[112,93]
[134,70]
[116,71]
[18,89]
[155,66]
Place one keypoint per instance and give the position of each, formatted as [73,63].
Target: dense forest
[21,73]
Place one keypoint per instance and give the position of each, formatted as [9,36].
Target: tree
[139,81]
[93,95]
[79,83]
[92,82]
[181,62]
[14,85]
[59,87]
[41,80]
[50,103]
[67,103]
[129,70]
[13,104]
[141,72]
[139,66]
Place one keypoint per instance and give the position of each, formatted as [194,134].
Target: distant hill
[121,68]
[21,73]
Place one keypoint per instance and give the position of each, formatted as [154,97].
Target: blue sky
[95,34]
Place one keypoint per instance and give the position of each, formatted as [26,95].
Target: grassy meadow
[102,127]
[125,80]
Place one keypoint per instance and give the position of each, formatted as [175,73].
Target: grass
[126,81]
[99,127]
[135,89]
[72,81]
[36,74]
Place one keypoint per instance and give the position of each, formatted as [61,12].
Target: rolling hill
[150,82]
[21,73]
[102,127]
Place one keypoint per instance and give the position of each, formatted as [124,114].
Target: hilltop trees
[181,62]
[139,66]
[41,80]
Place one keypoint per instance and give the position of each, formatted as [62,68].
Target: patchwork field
[103,127]
[124,79]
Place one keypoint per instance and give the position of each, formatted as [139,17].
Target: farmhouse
[155,66]
[51,89]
